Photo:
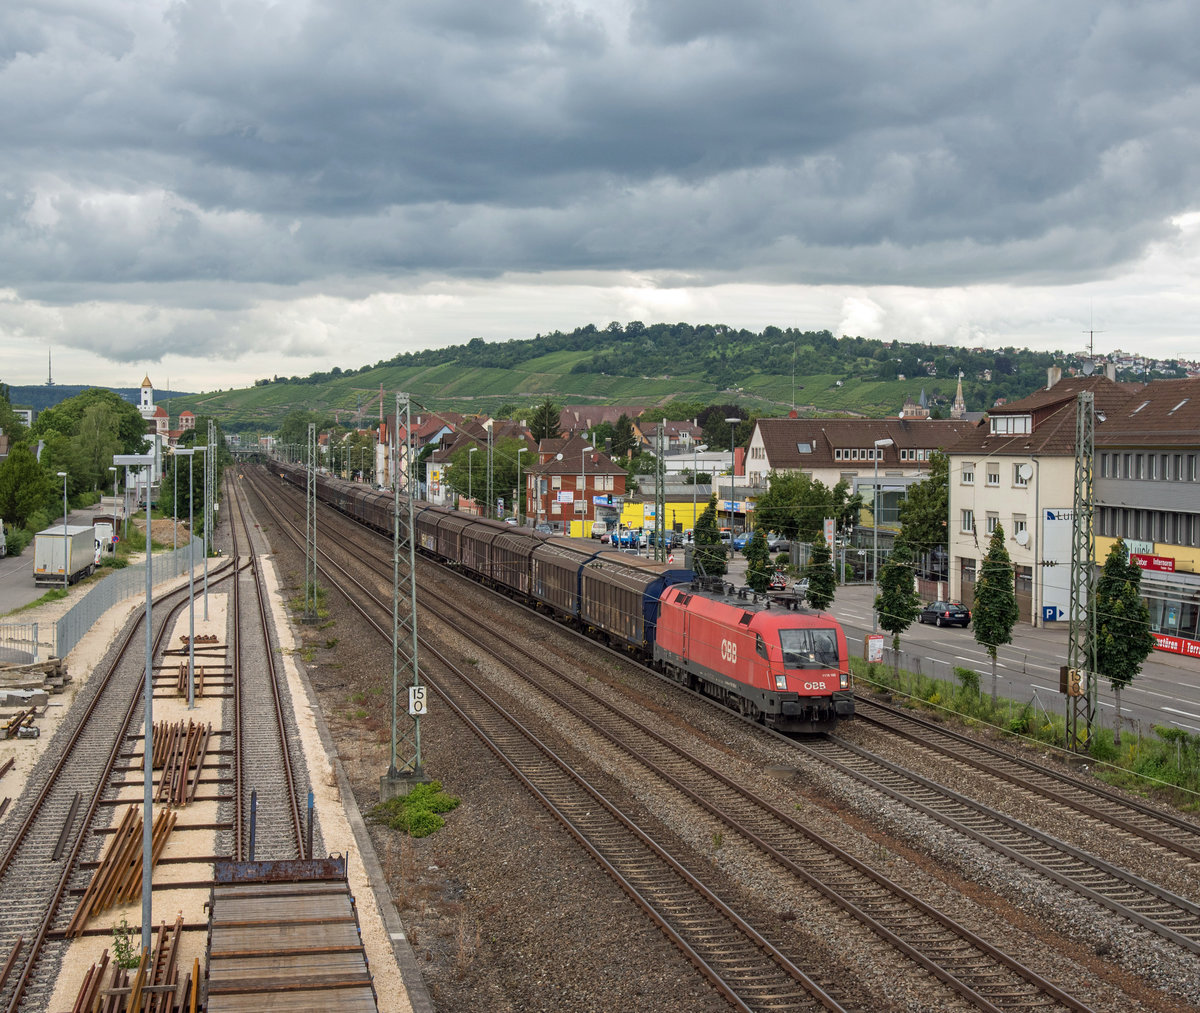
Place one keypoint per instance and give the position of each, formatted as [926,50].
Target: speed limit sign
[417,704]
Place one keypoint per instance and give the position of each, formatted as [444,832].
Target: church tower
[146,405]
[960,406]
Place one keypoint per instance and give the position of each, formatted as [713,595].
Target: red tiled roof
[781,436]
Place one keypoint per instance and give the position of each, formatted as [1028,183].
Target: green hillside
[641,365]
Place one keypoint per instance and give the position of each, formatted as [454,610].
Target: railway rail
[979,973]
[33,881]
[263,761]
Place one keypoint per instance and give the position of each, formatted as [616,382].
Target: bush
[18,540]
[417,812]
[968,679]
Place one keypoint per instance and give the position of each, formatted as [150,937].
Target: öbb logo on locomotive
[729,651]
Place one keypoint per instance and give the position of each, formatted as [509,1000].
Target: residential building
[680,437]
[833,450]
[1147,491]
[569,483]
[577,419]
[1016,469]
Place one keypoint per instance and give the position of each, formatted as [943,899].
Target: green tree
[995,613]
[25,487]
[624,442]
[66,418]
[708,554]
[897,603]
[822,582]
[543,424]
[924,510]
[796,505]
[98,441]
[12,426]
[758,562]
[1122,617]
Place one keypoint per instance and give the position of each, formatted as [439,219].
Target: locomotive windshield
[809,648]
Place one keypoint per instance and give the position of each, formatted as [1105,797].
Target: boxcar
[476,542]
[621,597]
[557,574]
[512,560]
[449,535]
[788,669]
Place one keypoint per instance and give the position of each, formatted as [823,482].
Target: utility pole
[405,769]
[310,529]
[660,494]
[1081,709]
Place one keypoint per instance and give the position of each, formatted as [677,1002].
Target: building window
[854,454]
[1104,465]
[1011,425]
[556,507]
[968,521]
[1127,470]
[993,474]
[556,481]
[1019,524]
[1019,480]
[1191,468]
[837,454]
[1140,465]
[1164,469]
[993,520]
[968,473]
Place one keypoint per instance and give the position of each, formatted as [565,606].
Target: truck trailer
[79,544]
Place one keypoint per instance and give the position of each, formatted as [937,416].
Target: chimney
[1053,375]
[1110,370]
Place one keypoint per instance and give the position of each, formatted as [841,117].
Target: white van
[598,528]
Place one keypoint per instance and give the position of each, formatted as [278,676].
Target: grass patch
[54,594]
[1164,763]
[418,812]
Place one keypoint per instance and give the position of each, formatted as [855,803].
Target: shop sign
[566,496]
[1177,645]
[1163,564]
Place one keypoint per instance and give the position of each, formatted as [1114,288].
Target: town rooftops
[794,444]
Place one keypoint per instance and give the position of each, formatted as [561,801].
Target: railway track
[265,768]
[1169,835]
[978,973]
[50,835]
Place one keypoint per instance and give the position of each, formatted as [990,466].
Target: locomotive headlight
[845,680]
[781,682]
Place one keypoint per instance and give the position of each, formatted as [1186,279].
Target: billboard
[1055,563]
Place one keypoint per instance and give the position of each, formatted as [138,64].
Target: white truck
[73,545]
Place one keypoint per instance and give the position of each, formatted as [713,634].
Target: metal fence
[113,589]
[19,642]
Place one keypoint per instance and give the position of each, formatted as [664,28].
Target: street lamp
[695,467]
[732,478]
[189,454]
[879,445]
[470,493]
[146,461]
[204,451]
[520,488]
[66,550]
[583,484]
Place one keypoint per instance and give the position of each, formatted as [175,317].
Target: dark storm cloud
[853,143]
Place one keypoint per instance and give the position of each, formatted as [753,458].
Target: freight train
[786,667]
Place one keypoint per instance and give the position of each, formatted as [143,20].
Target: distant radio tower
[49,369]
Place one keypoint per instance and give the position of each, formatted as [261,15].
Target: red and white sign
[1164,564]
[874,646]
[1177,645]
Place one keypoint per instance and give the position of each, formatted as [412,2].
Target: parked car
[777,542]
[945,613]
[741,541]
[544,529]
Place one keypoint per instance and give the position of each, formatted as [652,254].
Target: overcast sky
[221,190]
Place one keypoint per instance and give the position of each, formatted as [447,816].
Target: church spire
[960,405]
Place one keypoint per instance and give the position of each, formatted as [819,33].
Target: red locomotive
[787,668]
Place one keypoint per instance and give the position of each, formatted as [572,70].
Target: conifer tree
[897,602]
[758,562]
[1123,637]
[708,554]
[822,582]
[995,613]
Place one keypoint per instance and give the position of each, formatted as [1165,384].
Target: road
[16,572]
[1167,692]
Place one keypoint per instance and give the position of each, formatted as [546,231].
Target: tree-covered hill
[766,372]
